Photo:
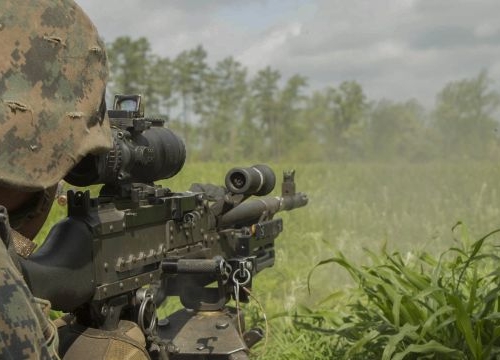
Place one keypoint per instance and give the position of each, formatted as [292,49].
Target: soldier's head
[53,73]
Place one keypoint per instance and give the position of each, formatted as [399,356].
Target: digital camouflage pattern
[53,72]
[20,334]
[25,332]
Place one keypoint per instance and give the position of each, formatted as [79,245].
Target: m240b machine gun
[119,255]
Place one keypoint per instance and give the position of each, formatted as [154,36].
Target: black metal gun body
[117,256]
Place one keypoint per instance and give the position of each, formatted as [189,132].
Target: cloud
[398,49]
[268,48]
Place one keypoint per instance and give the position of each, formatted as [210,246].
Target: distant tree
[250,133]
[162,83]
[315,120]
[265,92]
[349,103]
[396,130]
[130,63]
[220,109]
[340,114]
[290,129]
[464,117]
[189,74]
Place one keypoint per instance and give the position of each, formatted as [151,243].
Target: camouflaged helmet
[53,72]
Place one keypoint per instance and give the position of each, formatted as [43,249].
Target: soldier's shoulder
[21,336]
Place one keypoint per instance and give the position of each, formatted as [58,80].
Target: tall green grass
[445,307]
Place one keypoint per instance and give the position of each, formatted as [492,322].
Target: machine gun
[119,255]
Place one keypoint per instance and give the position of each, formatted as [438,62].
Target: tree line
[224,114]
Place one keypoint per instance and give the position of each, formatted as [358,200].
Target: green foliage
[444,308]
[397,130]
[224,115]
[338,120]
[130,65]
[189,74]
[464,117]
[220,109]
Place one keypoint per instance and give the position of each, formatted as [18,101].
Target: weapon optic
[119,255]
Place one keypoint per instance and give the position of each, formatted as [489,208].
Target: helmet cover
[53,73]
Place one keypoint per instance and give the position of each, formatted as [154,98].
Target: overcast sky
[397,49]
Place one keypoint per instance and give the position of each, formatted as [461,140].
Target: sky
[396,49]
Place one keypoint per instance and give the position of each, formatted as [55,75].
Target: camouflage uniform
[25,332]
[53,73]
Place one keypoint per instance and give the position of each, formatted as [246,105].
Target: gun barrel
[251,211]
[294,201]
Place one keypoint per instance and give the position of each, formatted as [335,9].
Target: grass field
[405,207]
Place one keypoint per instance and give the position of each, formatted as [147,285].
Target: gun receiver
[119,255]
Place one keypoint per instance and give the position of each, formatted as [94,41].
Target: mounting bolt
[221,325]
